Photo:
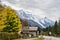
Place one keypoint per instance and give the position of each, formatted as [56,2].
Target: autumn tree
[2,17]
[11,21]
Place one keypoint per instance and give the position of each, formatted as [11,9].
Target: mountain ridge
[41,22]
[34,21]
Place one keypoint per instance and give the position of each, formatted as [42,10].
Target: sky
[41,8]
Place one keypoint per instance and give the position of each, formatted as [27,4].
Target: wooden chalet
[33,31]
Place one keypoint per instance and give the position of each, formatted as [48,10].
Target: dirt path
[29,39]
[50,38]
[45,38]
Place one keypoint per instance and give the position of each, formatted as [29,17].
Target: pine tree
[58,30]
[55,28]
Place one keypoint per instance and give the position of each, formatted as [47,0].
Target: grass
[39,39]
[31,39]
[8,36]
[57,36]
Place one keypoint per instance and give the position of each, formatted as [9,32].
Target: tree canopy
[9,20]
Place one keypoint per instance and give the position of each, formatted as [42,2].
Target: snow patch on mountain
[43,22]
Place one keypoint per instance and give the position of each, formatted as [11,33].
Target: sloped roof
[30,28]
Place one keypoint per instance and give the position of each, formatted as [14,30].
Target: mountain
[46,22]
[3,4]
[34,20]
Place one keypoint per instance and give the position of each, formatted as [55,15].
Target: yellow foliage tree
[2,18]
[9,21]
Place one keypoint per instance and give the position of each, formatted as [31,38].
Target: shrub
[39,39]
[8,36]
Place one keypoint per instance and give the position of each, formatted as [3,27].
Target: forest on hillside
[55,29]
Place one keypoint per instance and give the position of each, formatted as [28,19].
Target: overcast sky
[42,8]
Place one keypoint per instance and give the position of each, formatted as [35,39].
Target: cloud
[48,8]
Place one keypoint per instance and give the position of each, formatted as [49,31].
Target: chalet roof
[30,28]
[33,28]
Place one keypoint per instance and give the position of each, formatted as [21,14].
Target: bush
[8,36]
[4,36]
[44,33]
